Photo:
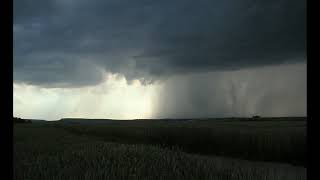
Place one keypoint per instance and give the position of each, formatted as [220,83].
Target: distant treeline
[19,120]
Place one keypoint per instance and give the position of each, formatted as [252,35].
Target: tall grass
[48,152]
[280,142]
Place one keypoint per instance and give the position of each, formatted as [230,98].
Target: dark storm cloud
[70,42]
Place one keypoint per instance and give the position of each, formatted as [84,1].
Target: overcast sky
[129,59]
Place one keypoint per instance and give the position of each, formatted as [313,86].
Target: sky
[125,59]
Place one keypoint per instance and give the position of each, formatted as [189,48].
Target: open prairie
[234,148]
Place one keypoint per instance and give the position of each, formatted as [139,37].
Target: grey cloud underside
[72,42]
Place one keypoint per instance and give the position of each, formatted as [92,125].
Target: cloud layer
[71,43]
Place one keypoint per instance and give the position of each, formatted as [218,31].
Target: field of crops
[280,141]
[160,150]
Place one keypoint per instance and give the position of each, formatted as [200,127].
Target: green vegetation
[160,150]
[282,141]
[19,120]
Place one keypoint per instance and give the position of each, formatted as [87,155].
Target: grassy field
[206,149]
[264,140]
